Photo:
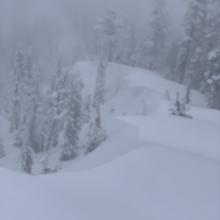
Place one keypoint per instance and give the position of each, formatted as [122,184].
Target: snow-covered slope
[148,183]
[129,91]
[153,165]
[199,136]
[133,91]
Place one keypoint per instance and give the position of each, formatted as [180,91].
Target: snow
[153,165]
[196,136]
[147,183]
[133,91]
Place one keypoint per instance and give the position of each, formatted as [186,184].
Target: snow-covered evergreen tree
[108,28]
[157,36]
[96,133]
[46,110]
[73,119]
[142,51]
[27,160]
[128,49]
[19,74]
[125,44]
[192,58]
[87,108]
[22,141]
[211,77]
[19,137]
[99,97]
[213,25]
[96,136]
[18,118]
[31,108]
[212,82]
[179,108]
[188,95]
[25,123]
[171,59]
[183,60]
[56,108]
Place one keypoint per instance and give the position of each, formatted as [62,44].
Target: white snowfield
[133,91]
[200,136]
[153,166]
[148,183]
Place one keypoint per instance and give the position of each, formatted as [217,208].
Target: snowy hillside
[133,91]
[149,183]
[110,110]
[152,166]
[129,92]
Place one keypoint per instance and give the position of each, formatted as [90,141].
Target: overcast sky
[80,11]
[44,24]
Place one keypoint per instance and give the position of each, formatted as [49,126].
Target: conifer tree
[192,57]
[57,107]
[188,95]
[183,60]
[127,45]
[32,102]
[157,36]
[27,161]
[19,118]
[73,119]
[23,142]
[212,76]
[25,105]
[212,82]
[87,109]
[96,133]
[19,74]
[108,28]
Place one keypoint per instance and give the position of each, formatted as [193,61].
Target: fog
[52,28]
[79,13]
[121,97]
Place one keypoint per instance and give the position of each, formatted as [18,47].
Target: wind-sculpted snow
[199,135]
[133,91]
[148,183]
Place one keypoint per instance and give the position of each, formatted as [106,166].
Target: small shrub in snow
[179,108]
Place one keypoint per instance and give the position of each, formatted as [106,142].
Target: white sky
[81,11]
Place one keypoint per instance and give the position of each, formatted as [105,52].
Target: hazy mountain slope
[129,91]
[153,165]
[133,90]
